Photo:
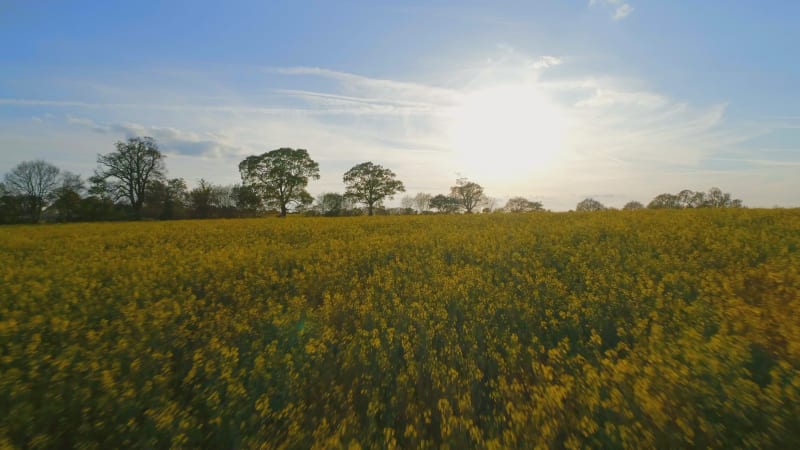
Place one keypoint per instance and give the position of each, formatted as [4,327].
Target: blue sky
[553,100]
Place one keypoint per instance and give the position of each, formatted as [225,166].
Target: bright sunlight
[507,130]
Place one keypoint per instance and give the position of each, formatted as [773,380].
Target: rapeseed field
[612,329]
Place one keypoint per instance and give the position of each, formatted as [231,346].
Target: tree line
[131,183]
[684,199]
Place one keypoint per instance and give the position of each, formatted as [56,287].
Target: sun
[506,130]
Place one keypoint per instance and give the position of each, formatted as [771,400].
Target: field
[610,329]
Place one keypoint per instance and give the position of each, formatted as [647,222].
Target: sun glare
[509,130]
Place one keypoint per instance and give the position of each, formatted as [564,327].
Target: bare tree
[422,202]
[331,204]
[34,181]
[490,203]
[135,164]
[407,202]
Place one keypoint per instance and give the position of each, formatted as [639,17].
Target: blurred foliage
[612,329]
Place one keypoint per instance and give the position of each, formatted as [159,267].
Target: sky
[555,101]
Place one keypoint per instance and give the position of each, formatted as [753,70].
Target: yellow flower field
[613,329]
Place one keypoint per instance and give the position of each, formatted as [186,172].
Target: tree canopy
[632,206]
[589,204]
[686,198]
[370,184]
[444,203]
[522,204]
[280,177]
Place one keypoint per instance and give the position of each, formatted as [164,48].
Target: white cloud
[546,61]
[620,9]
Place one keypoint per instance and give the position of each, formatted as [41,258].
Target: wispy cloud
[622,136]
[620,9]
[379,87]
[171,139]
[363,105]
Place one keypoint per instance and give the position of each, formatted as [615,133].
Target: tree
[686,198]
[664,201]
[444,204]
[632,206]
[422,201]
[718,199]
[136,163]
[469,194]
[10,206]
[370,184]
[247,200]
[34,182]
[166,199]
[589,204]
[280,177]
[522,204]
[201,199]
[407,202]
[490,204]
[67,197]
[690,199]
[208,200]
[331,204]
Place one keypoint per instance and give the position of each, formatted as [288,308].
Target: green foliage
[370,184]
[280,177]
[167,199]
[444,203]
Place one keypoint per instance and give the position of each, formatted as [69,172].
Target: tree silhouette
[632,206]
[128,171]
[34,183]
[589,204]
[468,193]
[522,204]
